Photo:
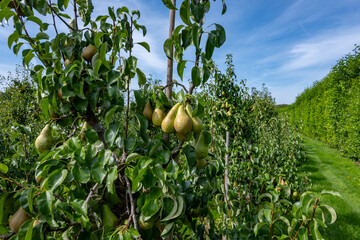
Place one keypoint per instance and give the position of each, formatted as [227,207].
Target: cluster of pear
[19,218]
[180,120]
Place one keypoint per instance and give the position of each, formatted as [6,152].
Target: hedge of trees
[330,109]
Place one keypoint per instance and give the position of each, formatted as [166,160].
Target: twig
[132,204]
[74,127]
[5,237]
[12,181]
[172,83]
[272,216]
[59,118]
[75,11]
[91,194]
[61,18]
[312,217]
[63,229]
[59,197]
[299,229]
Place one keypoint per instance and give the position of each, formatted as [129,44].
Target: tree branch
[12,181]
[172,83]
[52,10]
[132,204]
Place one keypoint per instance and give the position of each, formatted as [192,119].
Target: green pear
[201,149]
[45,140]
[148,111]
[167,124]
[85,127]
[182,123]
[89,52]
[145,223]
[18,219]
[196,122]
[108,217]
[158,116]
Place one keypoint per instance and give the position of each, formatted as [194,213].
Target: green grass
[329,171]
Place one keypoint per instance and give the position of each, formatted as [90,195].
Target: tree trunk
[169,74]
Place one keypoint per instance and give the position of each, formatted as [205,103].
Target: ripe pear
[182,123]
[108,217]
[167,124]
[158,116]
[148,111]
[67,62]
[201,149]
[186,137]
[89,52]
[196,122]
[18,219]
[36,222]
[45,140]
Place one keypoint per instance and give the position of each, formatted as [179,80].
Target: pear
[18,219]
[196,122]
[52,113]
[60,96]
[182,123]
[82,132]
[108,217]
[167,124]
[67,62]
[186,137]
[89,52]
[200,163]
[36,222]
[45,140]
[148,111]
[201,149]
[158,116]
[145,224]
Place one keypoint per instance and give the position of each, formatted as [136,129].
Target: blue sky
[286,44]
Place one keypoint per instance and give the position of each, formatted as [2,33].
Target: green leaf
[169,4]
[112,176]
[180,69]
[185,12]
[42,35]
[173,211]
[197,10]
[210,46]
[167,229]
[13,38]
[81,173]
[190,155]
[224,7]
[109,115]
[145,45]
[332,193]
[328,212]
[258,226]
[220,35]
[150,207]
[98,173]
[168,47]
[4,168]
[55,179]
[111,133]
[196,75]
[141,77]
[103,55]
[172,169]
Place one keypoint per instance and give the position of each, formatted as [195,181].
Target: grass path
[329,171]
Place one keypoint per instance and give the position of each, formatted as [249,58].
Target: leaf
[169,4]
[111,133]
[150,207]
[168,47]
[264,195]
[224,7]
[141,77]
[220,35]
[328,211]
[167,229]
[332,193]
[55,179]
[258,226]
[173,211]
[210,45]
[185,12]
[112,176]
[172,169]
[145,45]
[109,115]
[197,10]
[196,75]
[81,173]
[190,155]
[180,69]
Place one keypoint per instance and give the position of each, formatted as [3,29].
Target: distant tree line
[330,109]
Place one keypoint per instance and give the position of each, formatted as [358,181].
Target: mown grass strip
[329,171]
